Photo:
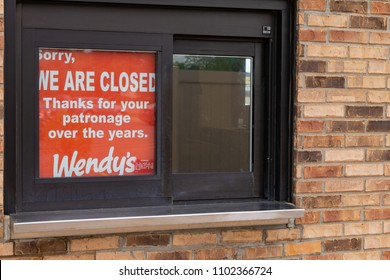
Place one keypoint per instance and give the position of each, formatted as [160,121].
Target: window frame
[228,185]
[277,45]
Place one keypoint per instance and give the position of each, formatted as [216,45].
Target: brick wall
[342,157]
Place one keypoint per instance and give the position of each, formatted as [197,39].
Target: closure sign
[96,113]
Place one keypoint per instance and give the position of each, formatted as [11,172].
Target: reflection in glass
[212,114]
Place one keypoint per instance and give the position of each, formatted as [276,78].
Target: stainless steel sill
[106,221]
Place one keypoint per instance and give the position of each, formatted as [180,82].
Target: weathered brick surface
[364,140]
[95,243]
[40,247]
[189,239]
[347,185]
[328,171]
[308,187]
[341,157]
[347,155]
[363,228]
[349,244]
[311,95]
[309,156]
[234,236]
[374,242]
[377,214]
[169,255]
[282,235]
[331,216]
[351,200]
[216,254]
[262,252]
[310,126]
[313,35]
[303,248]
[328,141]
[349,6]
[329,201]
[345,126]
[322,230]
[372,22]
[378,185]
[118,255]
[380,7]
[148,240]
[70,257]
[6,249]
[310,217]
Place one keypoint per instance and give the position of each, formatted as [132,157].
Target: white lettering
[80,166]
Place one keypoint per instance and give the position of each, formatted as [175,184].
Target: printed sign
[96,113]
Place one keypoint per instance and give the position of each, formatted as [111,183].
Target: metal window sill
[107,221]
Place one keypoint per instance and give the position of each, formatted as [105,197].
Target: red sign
[96,113]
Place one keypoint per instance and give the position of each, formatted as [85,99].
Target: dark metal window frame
[223,185]
[278,49]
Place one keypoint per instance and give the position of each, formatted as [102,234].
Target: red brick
[311,95]
[309,156]
[324,257]
[352,200]
[364,140]
[364,169]
[119,255]
[254,253]
[322,230]
[354,185]
[282,235]
[378,126]
[312,35]
[364,111]
[318,5]
[341,215]
[310,217]
[378,155]
[363,228]
[6,249]
[329,171]
[325,82]
[148,240]
[348,36]
[368,255]
[349,6]
[323,111]
[189,239]
[386,255]
[40,247]
[242,236]
[347,244]
[94,243]
[328,141]
[377,214]
[67,257]
[303,248]
[169,255]
[368,22]
[373,185]
[216,254]
[308,187]
[382,8]
[310,126]
[346,126]
[330,201]
[377,242]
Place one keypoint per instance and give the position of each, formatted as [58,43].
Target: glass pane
[96,113]
[212,113]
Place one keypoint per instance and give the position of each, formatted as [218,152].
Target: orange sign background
[96,113]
